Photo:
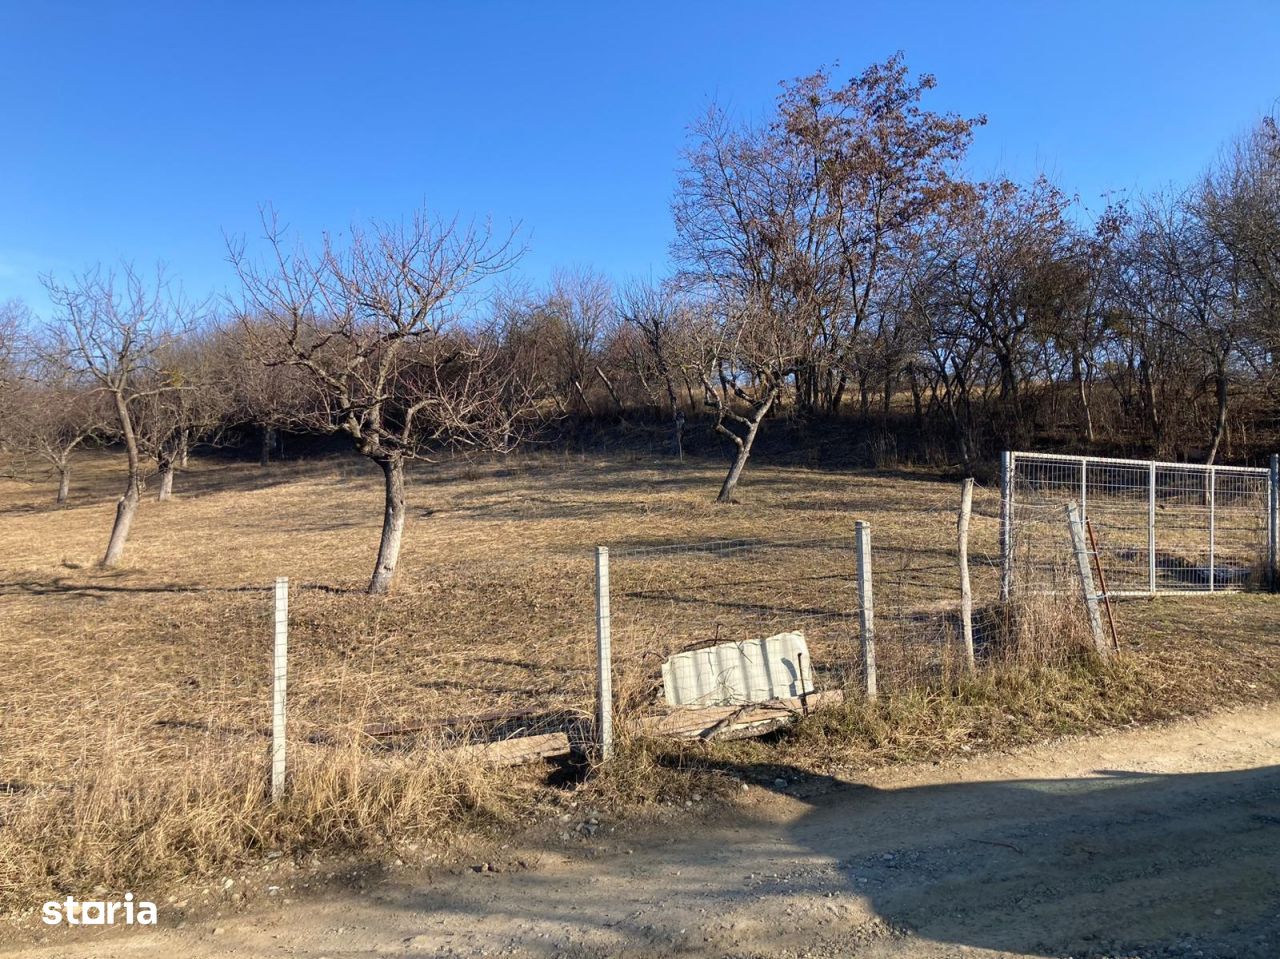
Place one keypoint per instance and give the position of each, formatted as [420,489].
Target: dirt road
[1140,843]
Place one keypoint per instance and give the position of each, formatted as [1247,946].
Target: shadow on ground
[1121,864]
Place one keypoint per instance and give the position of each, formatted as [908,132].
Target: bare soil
[1146,842]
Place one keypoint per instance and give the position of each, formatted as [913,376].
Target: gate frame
[1008,484]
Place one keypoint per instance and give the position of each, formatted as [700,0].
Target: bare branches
[382,330]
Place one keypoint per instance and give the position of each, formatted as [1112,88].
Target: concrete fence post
[604,657]
[279,677]
[966,591]
[1007,464]
[1087,587]
[866,609]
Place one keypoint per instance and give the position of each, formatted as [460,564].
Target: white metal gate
[1161,527]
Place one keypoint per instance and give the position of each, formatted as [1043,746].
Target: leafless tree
[189,403]
[56,412]
[375,324]
[655,312]
[115,326]
[15,322]
[795,226]
[268,397]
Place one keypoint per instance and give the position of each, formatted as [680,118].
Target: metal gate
[1161,527]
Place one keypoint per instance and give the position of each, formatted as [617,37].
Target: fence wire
[671,599]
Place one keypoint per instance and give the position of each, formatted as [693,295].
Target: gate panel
[1161,527]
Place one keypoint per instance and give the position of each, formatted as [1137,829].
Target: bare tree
[189,403]
[15,320]
[267,397]
[747,350]
[375,326]
[658,316]
[1239,202]
[55,413]
[115,326]
[796,227]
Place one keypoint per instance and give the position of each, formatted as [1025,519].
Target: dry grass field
[135,701]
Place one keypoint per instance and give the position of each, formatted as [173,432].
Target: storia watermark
[97,912]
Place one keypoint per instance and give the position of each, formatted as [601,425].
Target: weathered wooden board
[517,750]
[753,719]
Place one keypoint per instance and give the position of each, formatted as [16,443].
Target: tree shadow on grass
[60,586]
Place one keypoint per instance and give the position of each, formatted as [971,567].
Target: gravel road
[1149,842]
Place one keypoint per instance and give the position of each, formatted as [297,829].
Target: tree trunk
[64,484]
[678,435]
[128,504]
[838,395]
[264,447]
[917,406]
[125,508]
[744,444]
[392,525]
[1083,390]
[1220,421]
[1154,420]
[184,447]
[166,478]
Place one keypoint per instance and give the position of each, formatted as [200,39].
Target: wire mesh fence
[1160,527]
[670,599]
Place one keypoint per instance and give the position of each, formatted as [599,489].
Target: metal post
[1087,587]
[280,666]
[1151,525]
[1006,525]
[604,657]
[1084,488]
[1213,530]
[866,611]
[1273,523]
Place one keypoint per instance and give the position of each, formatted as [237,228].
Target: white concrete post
[280,666]
[1087,587]
[604,656]
[1084,488]
[966,591]
[866,610]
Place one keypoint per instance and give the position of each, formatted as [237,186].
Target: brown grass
[135,701]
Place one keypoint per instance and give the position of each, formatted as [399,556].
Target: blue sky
[145,131]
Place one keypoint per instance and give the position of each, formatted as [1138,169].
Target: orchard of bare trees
[834,269]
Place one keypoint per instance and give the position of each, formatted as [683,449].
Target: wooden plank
[708,722]
[518,750]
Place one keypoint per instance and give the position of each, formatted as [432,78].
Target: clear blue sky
[146,130]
